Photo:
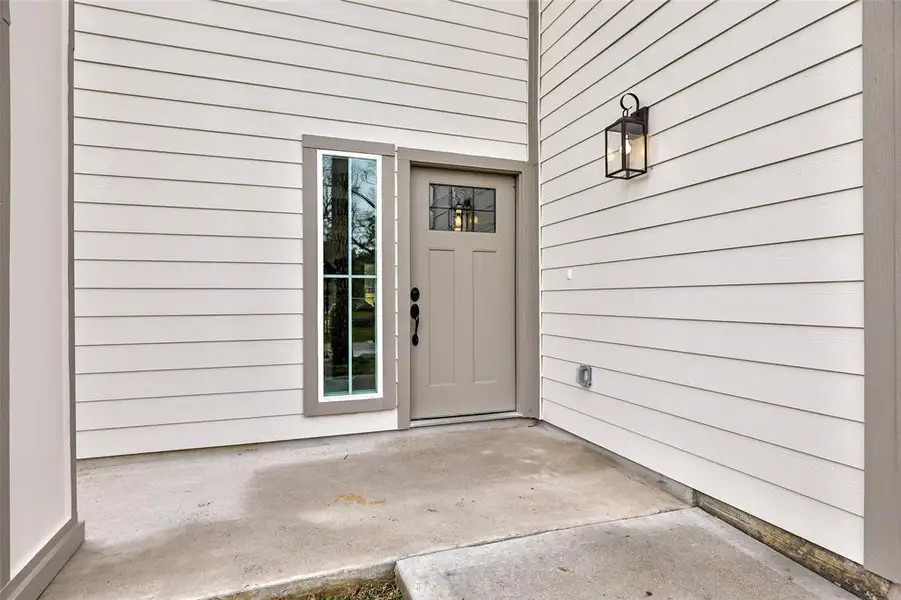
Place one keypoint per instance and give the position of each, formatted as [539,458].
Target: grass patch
[360,590]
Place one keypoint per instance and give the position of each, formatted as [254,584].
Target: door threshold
[466,419]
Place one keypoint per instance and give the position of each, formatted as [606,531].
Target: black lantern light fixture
[627,142]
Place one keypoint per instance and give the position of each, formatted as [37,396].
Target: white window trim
[320,274]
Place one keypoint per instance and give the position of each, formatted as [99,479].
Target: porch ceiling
[202,523]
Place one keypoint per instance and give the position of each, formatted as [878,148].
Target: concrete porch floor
[259,519]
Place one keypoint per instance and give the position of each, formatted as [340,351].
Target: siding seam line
[700,320]
[185,207]
[701,286]
[760,362]
[194,154]
[690,252]
[835,192]
[295,389]
[276,416]
[439,20]
[185,342]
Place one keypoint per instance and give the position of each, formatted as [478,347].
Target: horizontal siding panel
[400,24]
[184,61]
[828,82]
[557,49]
[275,38]
[822,304]
[831,259]
[552,10]
[170,113]
[519,8]
[835,214]
[838,485]
[594,67]
[130,246]
[112,303]
[456,12]
[838,441]
[569,20]
[720,298]
[155,357]
[186,221]
[645,22]
[131,136]
[332,25]
[612,209]
[162,438]
[735,63]
[119,414]
[184,88]
[799,514]
[121,386]
[832,125]
[822,348]
[134,163]
[137,274]
[159,330]
[817,392]
[187,194]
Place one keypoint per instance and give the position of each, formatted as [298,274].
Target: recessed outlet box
[583,375]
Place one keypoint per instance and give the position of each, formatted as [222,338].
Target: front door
[462,250]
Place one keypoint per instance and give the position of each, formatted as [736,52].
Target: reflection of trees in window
[350,233]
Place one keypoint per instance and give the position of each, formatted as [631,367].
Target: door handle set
[414,314]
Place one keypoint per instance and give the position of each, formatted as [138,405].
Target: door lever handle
[414,314]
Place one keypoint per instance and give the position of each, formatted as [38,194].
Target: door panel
[463,251]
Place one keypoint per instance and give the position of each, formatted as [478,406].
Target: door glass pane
[462,209]
[364,231]
[441,196]
[363,335]
[335,336]
[483,199]
[334,214]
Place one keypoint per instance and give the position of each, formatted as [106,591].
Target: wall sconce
[627,142]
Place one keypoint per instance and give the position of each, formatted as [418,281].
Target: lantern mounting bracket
[639,113]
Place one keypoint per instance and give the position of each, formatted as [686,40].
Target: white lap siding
[189,121]
[719,298]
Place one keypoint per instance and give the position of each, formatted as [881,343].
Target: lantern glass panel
[636,148]
[615,162]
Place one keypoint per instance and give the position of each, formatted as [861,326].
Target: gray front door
[463,245]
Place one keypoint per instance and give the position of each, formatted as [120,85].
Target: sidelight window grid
[350,277]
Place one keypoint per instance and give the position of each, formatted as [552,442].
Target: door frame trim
[525,277]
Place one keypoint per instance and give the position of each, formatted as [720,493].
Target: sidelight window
[350,301]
